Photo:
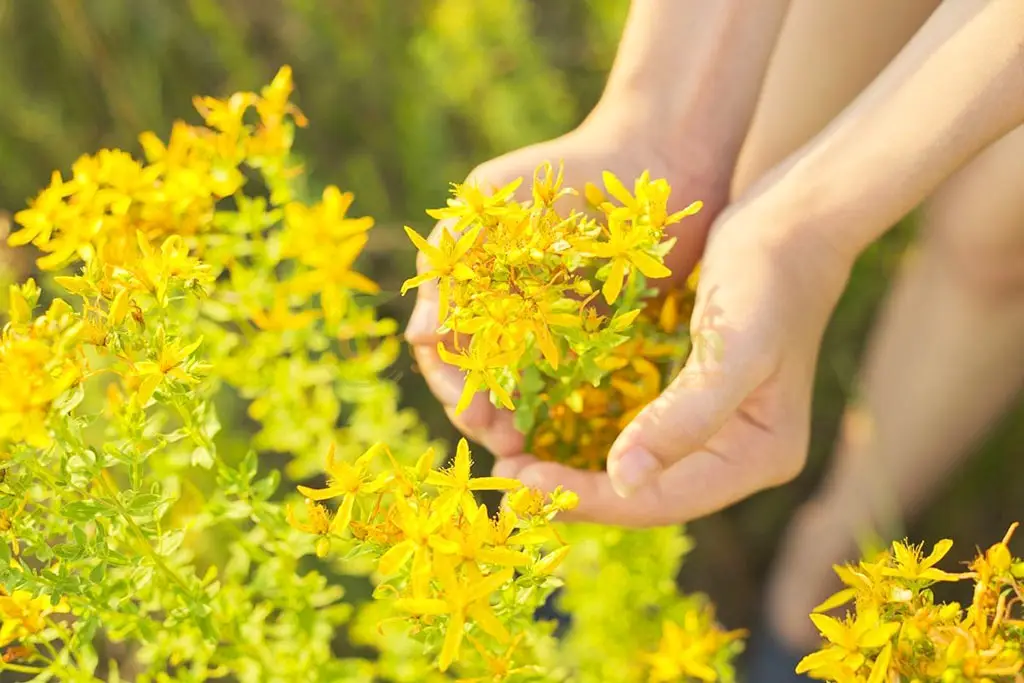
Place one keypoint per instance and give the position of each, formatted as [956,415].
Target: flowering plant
[898,632]
[200,330]
[198,288]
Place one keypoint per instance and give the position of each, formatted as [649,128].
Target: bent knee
[974,225]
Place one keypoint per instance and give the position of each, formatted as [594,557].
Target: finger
[498,435]
[701,484]
[691,410]
[481,421]
[511,466]
[444,381]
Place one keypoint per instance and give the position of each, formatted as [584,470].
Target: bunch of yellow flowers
[141,540]
[898,633]
[520,280]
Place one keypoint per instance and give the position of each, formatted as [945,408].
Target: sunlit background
[405,96]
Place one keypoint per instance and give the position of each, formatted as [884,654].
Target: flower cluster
[453,571]
[525,282]
[177,294]
[898,633]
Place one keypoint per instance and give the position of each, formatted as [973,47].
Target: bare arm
[957,87]
[691,66]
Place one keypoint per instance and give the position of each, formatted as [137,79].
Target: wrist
[691,70]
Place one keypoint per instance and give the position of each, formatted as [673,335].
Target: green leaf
[83,510]
[248,466]
[202,457]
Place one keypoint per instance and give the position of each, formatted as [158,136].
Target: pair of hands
[726,427]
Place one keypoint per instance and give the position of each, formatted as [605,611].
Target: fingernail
[423,322]
[632,470]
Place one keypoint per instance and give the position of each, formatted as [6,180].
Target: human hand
[736,419]
[600,145]
[776,265]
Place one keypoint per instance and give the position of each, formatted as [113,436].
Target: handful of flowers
[557,307]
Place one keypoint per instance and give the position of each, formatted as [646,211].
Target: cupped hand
[736,419]
[585,153]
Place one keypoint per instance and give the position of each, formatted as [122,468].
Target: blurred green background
[405,96]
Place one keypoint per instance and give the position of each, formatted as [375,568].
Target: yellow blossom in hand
[470,202]
[626,246]
[648,202]
[446,262]
[482,369]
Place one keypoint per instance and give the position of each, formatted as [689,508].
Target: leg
[944,364]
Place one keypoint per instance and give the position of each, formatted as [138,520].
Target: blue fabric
[769,661]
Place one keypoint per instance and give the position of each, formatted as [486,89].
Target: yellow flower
[154,271]
[332,276]
[648,206]
[348,481]
[471,203]
[458,483]
[319,524]
[911,567]
[687,650]
[482,369]
[547,189]
[280,317]
[849,644]
[35,371]
[309,229]
[22,615]
[226,116]
[462,598]
[420,526]
[446,262]
[474,541]
[39,220]
[627,247]
[170,363]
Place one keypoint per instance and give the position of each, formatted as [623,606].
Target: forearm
[955,88]
[693,70]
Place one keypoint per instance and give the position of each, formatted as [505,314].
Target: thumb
[691,410]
